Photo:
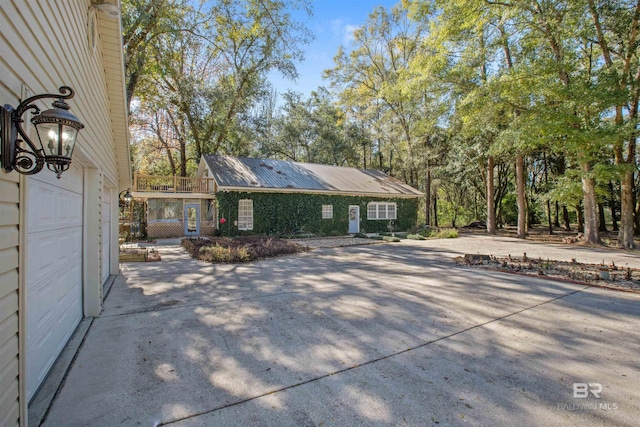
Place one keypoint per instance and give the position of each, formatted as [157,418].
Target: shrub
[426,232]
[219,253]
[239,249]
[416,237]
[445,233]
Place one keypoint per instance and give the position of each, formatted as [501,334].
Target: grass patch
[390,239]
[239,249]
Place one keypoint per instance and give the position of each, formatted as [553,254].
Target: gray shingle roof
[263,174]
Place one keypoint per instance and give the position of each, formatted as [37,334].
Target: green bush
[416,237]
[239,249]
[445,233]
[426,232]
[221,254]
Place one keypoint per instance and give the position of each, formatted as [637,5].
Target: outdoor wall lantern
[57,131]
[126,197]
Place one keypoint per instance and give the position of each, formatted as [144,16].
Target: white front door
[54,268]
[354,219]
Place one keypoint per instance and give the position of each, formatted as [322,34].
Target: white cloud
[348,33]
[336,26]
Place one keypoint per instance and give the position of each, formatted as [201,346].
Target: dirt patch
[610,276]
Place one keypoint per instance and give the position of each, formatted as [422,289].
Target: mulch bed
[619,277]
[239,249]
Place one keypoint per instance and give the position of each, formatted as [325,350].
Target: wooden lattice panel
[160,230]
[165,229]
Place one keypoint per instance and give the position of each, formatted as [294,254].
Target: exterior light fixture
[109,9]
[57,131]
[126,197]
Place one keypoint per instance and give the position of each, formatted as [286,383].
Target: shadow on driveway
[375,335]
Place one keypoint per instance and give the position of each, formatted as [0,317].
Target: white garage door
[54,268]
[106,232]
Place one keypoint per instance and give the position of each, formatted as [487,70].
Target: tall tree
[205,64]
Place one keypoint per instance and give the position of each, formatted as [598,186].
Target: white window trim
[327,211]
[374,206]
[244,218]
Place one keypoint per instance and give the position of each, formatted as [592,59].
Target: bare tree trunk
[183,158]
[613,206]
[580,216]
[491,208]
[625,234]
[602,225]
[565,218]
[427,192]
[590,206]
[435,210]
[546,184]
[637,213]
[522,204]
[556,218]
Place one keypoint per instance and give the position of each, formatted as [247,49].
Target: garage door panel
[71,180]
[49,330]
[106,233]
[53,207]
[41,358]
[54,268]
[69,208]
[106,247]
[40,309]
[52,251]
[54,299]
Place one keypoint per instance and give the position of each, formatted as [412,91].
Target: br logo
[582,390]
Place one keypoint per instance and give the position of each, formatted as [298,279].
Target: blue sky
[332,24]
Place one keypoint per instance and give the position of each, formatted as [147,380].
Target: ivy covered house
[242,195]
[262,196]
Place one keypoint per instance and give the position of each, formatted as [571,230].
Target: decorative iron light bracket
[57,131]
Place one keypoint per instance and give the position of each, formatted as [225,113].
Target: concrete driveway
[386,334]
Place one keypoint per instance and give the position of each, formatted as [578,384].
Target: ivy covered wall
[286,213]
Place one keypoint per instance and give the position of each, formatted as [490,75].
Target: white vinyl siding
[44,45]
[9,238]
[327,211]
[378,210]
[245,214]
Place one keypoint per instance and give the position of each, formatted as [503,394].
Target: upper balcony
[172,184]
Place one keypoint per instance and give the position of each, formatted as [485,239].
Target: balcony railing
[173,184]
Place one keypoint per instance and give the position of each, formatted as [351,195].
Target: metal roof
[264,174]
